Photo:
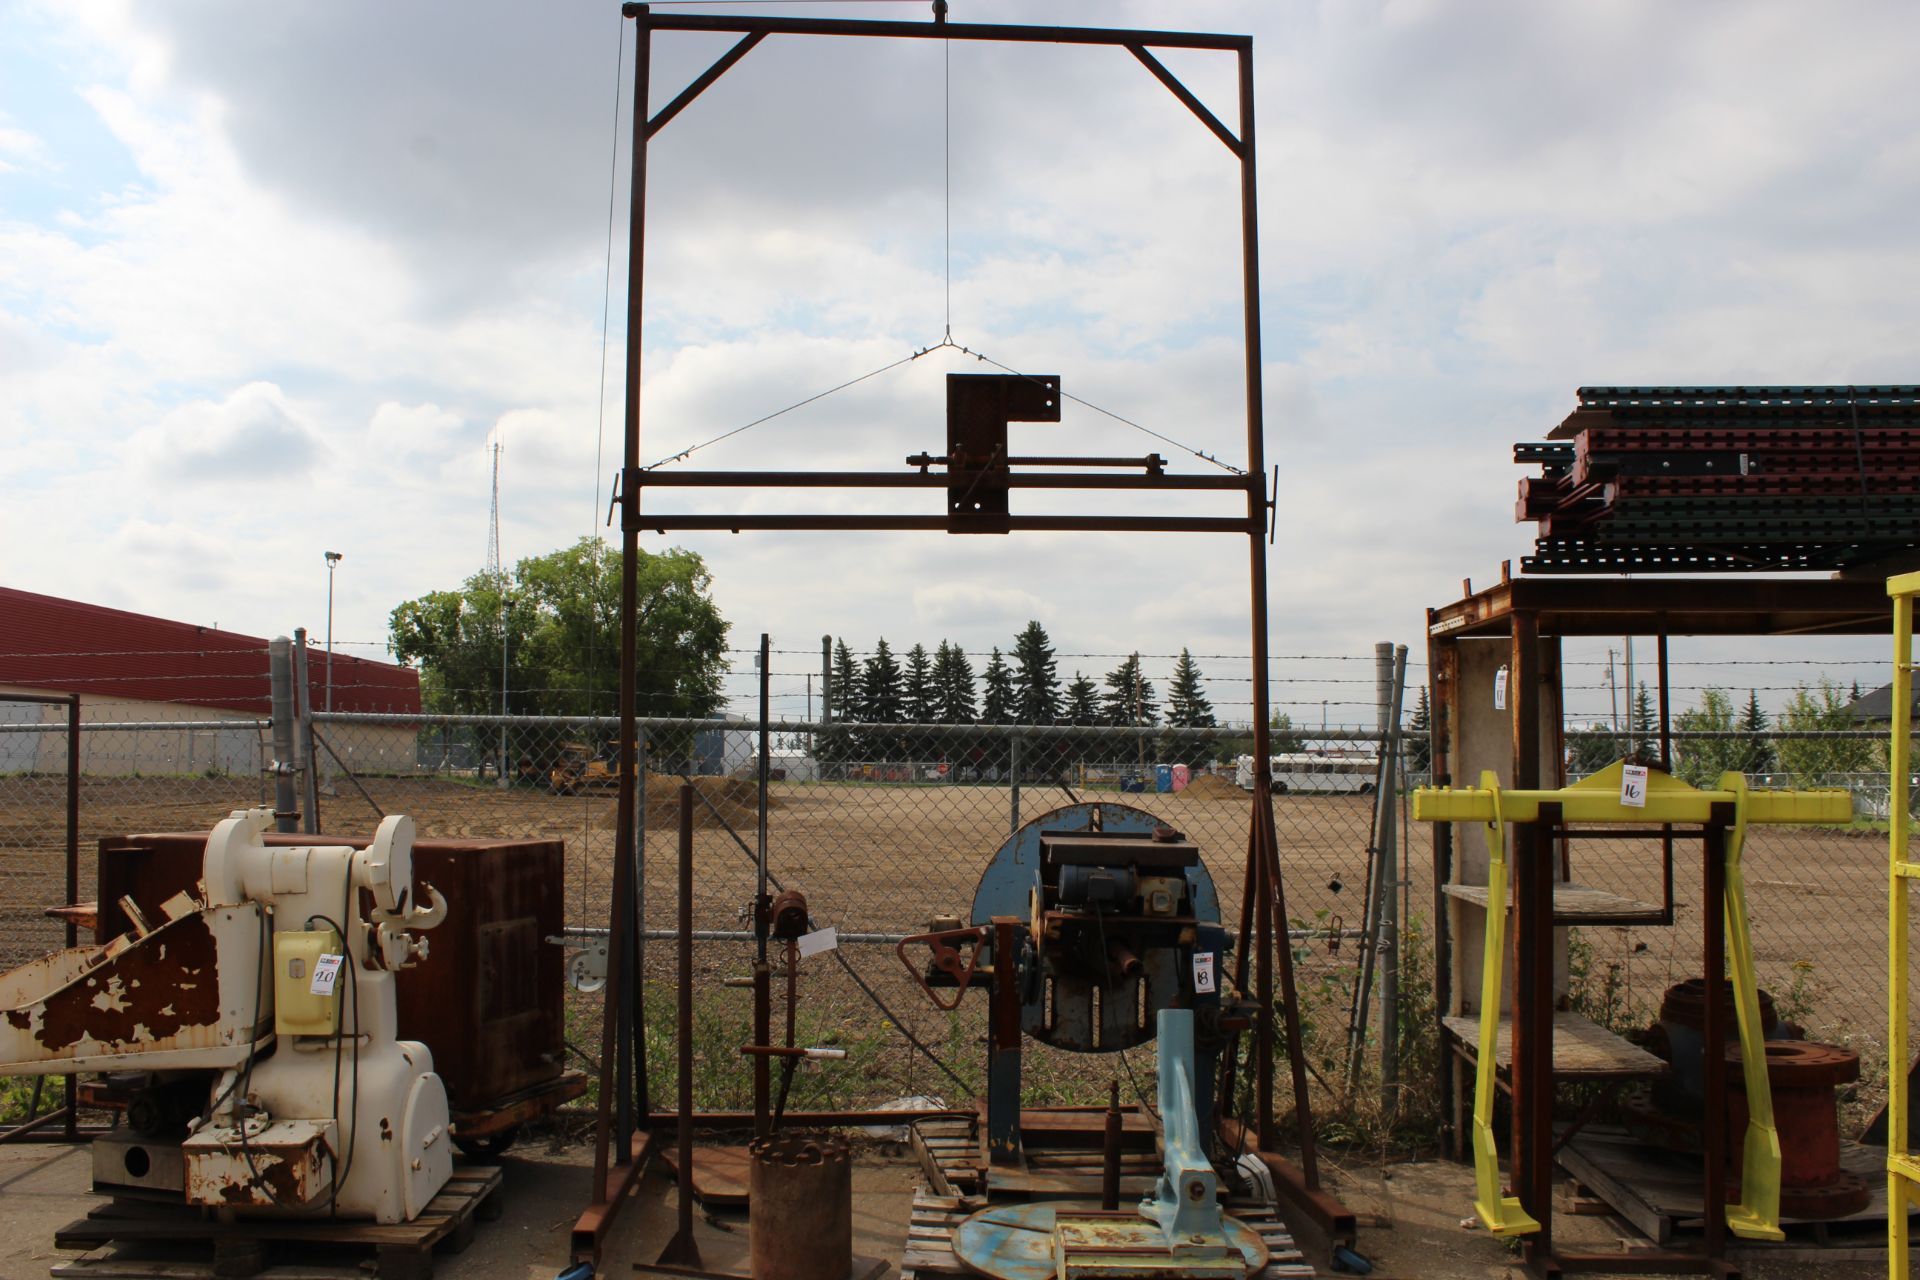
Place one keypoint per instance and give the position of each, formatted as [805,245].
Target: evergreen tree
[1187,704]
[836,744]
[1083,701]
[1419,736]
[1759,751]
[1000,704]
[843,692]
[1036,686]
[881,694]
[1640,724]
[1129,696]
[953,685]
[922,696]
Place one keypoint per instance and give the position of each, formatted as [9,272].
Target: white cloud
[253,435]
[347,261]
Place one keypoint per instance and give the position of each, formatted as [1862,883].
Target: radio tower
[493,519]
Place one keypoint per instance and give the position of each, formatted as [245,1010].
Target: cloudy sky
[272,277]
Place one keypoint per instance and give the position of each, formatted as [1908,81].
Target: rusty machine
[1096,929]
[256,1022]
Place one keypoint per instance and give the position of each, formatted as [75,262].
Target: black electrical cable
[339,1171]
[254,1179]
[353,998]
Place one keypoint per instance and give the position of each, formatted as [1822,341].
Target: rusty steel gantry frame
[621,1142]
[1532,614]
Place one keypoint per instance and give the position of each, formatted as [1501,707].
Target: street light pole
[333,561]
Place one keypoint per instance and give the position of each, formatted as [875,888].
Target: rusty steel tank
[801,1189]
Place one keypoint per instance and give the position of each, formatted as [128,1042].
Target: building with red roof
[132,668]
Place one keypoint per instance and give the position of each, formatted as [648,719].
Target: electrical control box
[308,982]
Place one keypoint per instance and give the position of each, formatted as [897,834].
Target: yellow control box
[308,982]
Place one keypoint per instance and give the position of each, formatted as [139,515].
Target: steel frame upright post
[619,1146]
[1903,1172]
[762,911]
[70,1084]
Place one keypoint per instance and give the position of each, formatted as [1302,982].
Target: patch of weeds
[16,1097]
[1795,1004]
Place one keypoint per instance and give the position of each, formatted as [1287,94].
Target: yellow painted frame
[1668,800]
[1903,1172]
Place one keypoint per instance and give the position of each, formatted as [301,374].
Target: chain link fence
[886,826]
[881,826]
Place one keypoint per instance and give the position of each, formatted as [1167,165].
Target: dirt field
[885,857]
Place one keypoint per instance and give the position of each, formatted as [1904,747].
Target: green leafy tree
[562,628]
[1812,760]
[1001,701]
[1593,748]
[1700,761]
[1036,686]
[953,685]
[1282,736]
[1187,704]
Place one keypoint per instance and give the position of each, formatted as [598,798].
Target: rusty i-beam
[619,1146]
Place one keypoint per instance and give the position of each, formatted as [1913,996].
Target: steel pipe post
[286,801]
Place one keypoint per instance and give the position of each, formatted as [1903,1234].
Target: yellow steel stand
[1502,1215]
[1668,800]
[1903,1172]
[1757,1216]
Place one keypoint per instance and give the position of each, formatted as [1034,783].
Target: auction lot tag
[812,944]
[326,972]
[1633,786]
[1500,689]
[1203,973]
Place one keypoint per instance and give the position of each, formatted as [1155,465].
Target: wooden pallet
[1659,1195]
[929,1253]
[952,1157]
[139,1240]
[954,1161]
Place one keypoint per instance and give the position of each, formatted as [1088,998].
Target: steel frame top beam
[1674,606]
[748,24]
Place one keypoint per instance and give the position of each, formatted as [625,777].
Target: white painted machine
[255,1027]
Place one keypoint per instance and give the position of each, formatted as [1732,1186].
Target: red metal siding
[70,647]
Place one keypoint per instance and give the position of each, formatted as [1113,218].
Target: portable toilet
[1182,775]
[1163,778]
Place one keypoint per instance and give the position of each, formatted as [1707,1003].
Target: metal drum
[801,1192]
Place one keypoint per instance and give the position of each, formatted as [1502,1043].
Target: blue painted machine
[1087,923]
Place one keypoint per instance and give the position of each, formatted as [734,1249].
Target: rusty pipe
[1110,1151]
